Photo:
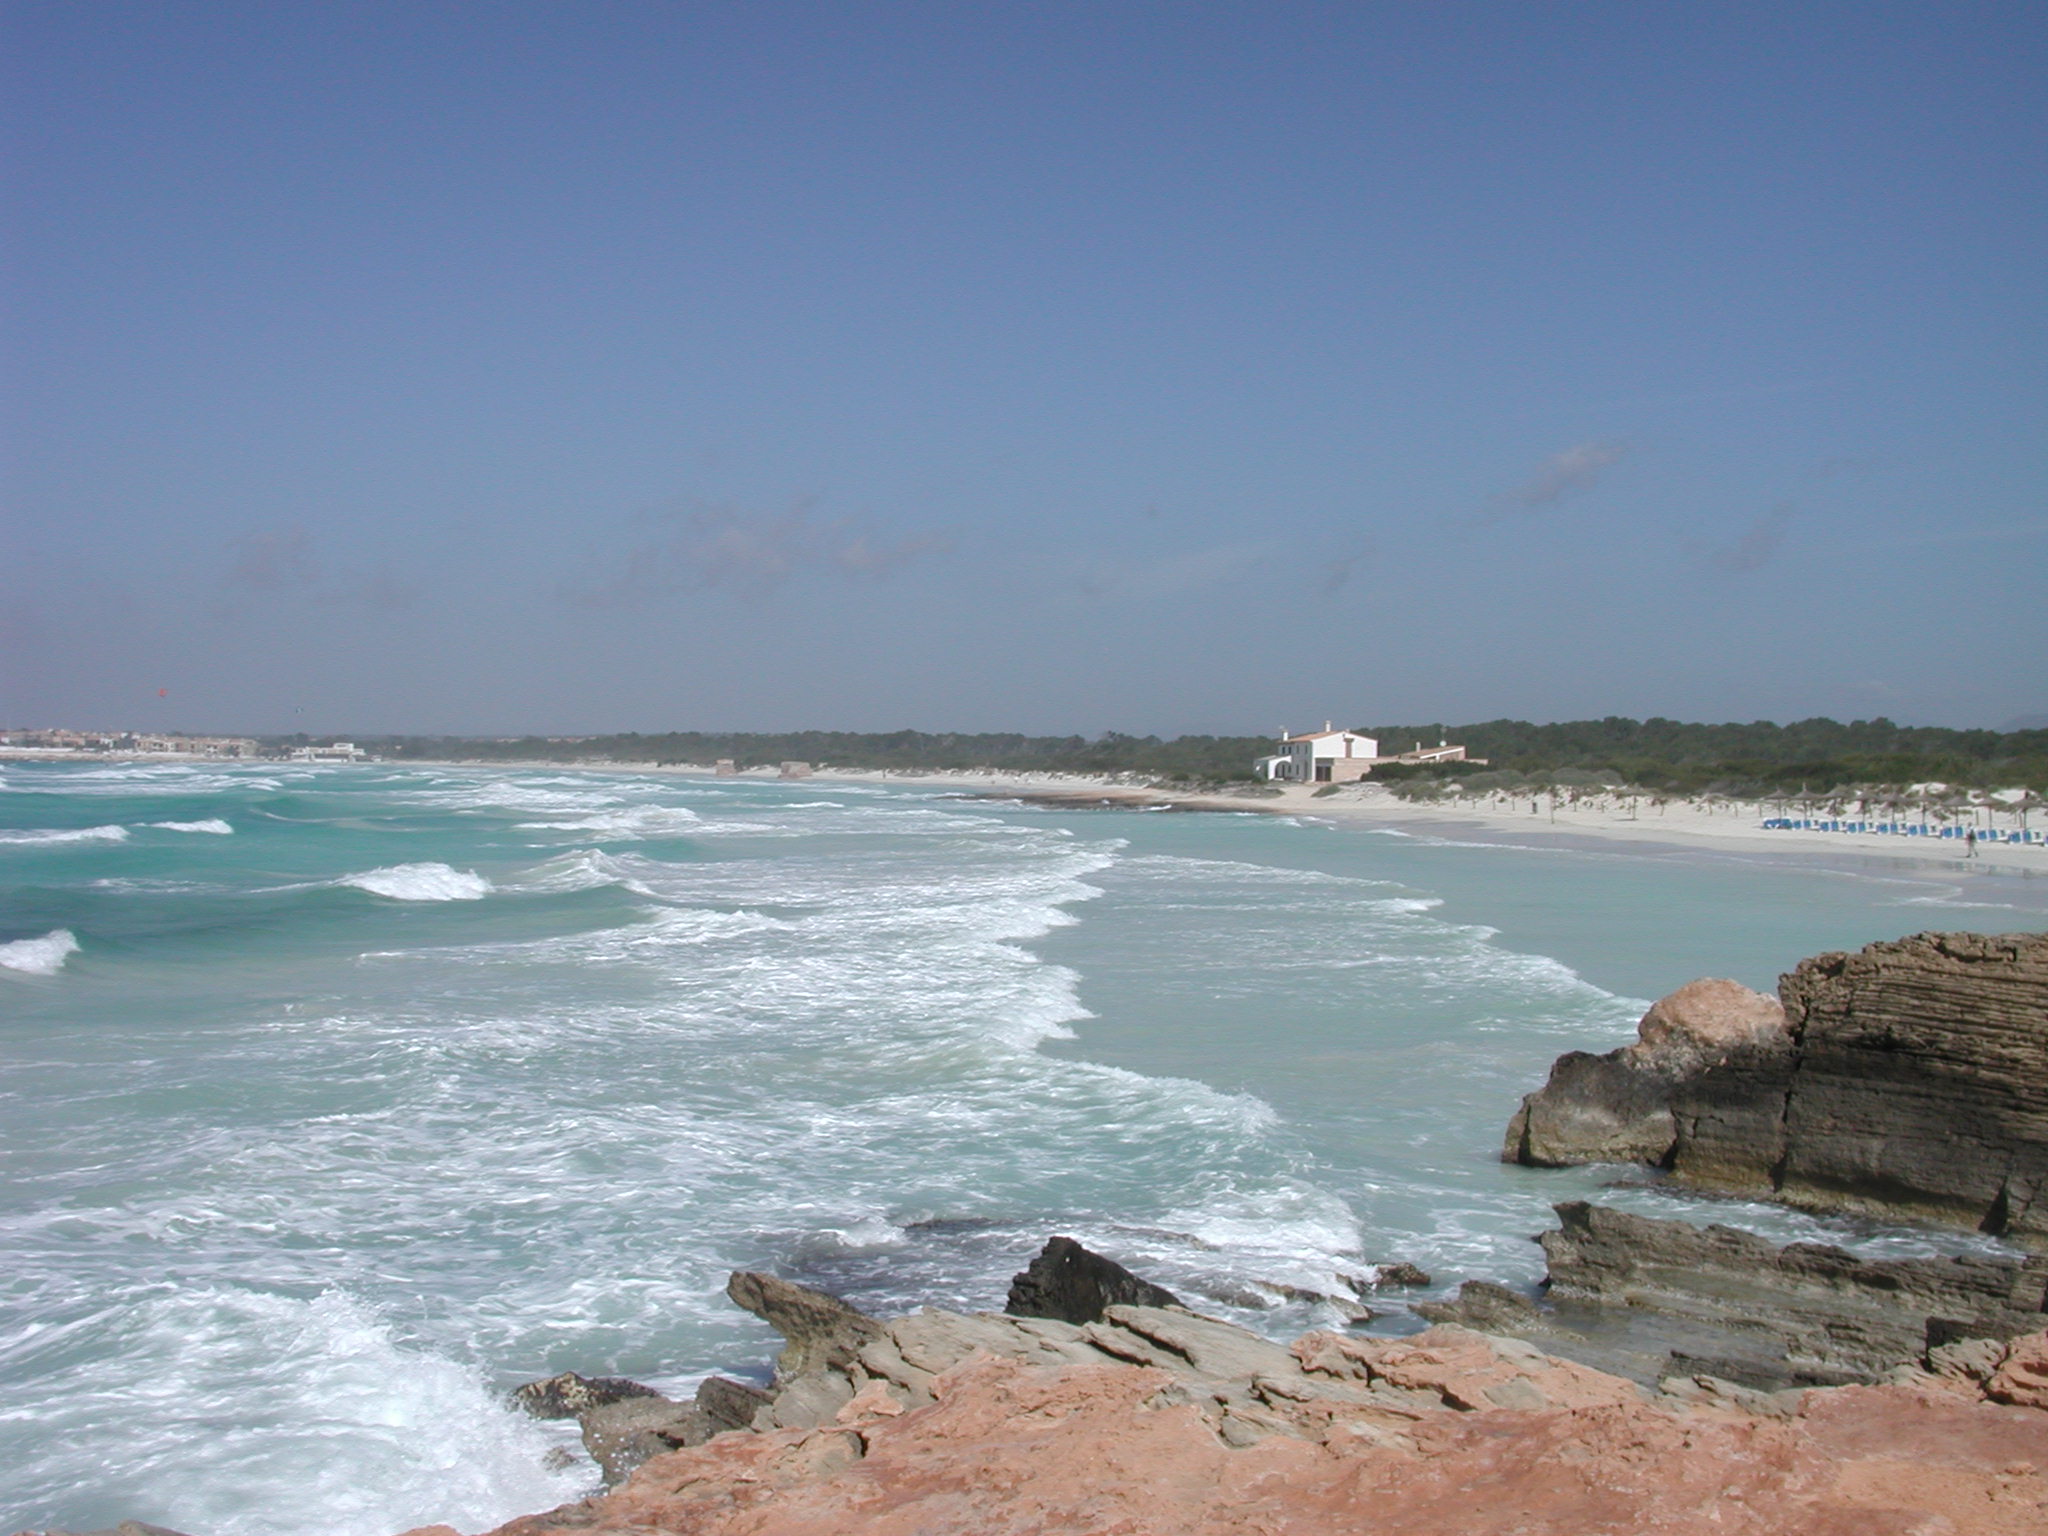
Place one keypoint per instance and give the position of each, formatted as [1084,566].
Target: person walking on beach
[1970,843]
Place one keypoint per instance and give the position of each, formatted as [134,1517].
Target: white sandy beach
[1724,825]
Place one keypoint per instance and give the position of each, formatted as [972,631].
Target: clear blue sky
[572,367]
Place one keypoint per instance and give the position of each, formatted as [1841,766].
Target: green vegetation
[1661,756]
[1756,759]
[1186,759]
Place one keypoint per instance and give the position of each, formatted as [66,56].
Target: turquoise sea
[338,1099]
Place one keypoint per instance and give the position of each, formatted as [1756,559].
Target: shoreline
[1730,827]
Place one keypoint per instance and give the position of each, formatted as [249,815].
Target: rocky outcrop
[1445,1431]
[1908,1080]
[1798,1315]
[821,1332]
[1620,1108]
[1069,1283]
[624,1422]
[1654,1299]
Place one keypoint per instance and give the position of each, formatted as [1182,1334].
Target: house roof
[1319,735]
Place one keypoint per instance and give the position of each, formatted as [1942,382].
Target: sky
[507,367]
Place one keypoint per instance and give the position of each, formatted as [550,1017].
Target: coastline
[1730,826]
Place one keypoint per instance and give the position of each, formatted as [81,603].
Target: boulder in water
[1068,1282]
[1906,1081]
[570,1396]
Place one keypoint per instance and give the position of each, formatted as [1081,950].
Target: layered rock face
[1155,1421]
[1909,1080]
[1803,1314]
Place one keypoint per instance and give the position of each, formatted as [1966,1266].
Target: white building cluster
[1331,756]
[58,739]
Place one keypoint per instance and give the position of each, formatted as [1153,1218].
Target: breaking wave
[40,957]
[421,882]
[35,836]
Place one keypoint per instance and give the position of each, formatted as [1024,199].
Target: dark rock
[620,1435]
[1401,1273]
[728,1404]
[1069,1283]
[1910,1080]
[823,1332]
[569,1395]
[1482,1305]
[1351,1311]
[624,1422]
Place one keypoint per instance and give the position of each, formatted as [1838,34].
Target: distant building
[796,770]
[333,752]
[1321,757]
[55,739]
[725,768]
[1331,756]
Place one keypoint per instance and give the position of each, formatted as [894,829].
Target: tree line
[1669,755]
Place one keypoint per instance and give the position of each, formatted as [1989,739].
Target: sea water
[339,1099]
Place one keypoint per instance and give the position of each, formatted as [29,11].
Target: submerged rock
[1483,1305]
[1074,1285]
[569,1395]
[1401,1273]
[1908,1080]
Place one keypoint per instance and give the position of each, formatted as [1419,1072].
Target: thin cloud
[273,560]
[1337,573]
[1564,474]
[379,589]
[864,556]
[749,553]
[1172,575]
[1758,544]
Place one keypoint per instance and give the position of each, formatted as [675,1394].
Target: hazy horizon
[1191,369]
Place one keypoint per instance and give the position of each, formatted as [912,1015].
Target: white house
[1321,757]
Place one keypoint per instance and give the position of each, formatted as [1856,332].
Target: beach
[1721,825]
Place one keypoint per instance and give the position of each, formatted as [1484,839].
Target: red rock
[1422,1447]
[1705,1017]
[2022,1376]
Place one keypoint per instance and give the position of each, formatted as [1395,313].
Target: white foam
[628,823]
[499,794]
[584,870]
[35,836]
[40,957]
[212,824]
[421,882]
[252,1414]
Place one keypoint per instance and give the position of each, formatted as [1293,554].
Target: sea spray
[420,882]
[44,956]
